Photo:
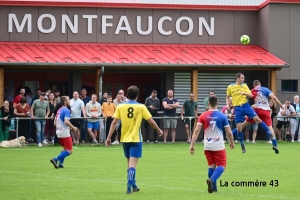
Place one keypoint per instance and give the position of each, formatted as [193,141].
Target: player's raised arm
[274,98]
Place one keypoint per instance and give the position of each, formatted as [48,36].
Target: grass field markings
[141,184]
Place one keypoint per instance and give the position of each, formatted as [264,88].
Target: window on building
[289,85]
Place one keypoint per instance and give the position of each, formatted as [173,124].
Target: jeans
[84,129]
[40,129]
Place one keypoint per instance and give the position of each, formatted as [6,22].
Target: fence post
[17,126]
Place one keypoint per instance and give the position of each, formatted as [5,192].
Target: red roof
[137,4]
[175,55]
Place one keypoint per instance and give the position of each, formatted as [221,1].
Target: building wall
[229,25]
[282,38]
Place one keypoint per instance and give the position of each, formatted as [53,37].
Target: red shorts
[216,157]
[264,115]
[66,142]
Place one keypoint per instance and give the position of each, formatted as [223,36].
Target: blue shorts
[242,111]
[93,125]
[132,149]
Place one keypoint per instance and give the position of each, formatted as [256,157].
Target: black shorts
[76,122]
[282,123]
[187,122]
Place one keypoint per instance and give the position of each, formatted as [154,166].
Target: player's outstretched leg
[212,181]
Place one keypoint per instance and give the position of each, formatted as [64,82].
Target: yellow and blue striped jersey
[235,90]
[131,114]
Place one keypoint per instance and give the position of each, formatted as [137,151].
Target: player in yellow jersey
[131,114]
[239,92]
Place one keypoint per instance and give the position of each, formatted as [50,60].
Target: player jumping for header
[262,108]
[239,92]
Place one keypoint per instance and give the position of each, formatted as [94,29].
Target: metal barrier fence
[17,119]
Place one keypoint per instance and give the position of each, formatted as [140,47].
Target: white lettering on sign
[190,26]
[160,25]
[40,23]
[139,25]
[90,22]
[74,27]
[210,30]
[106,24]
[12,19]
[164,24]
[126,27]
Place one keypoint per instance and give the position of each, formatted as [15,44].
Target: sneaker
[247,140]
[210,185]
[156,142]
[147,142]
[235,141]
[83,142]
[135,189]
[243,149]
[115,142]
[270,141]
[275,149]
[54,162]
[45,142]
[94,142]
[30,140]
[292,141]
[40,144]
[52,141]
[128,192]
[253,141]
[298,140]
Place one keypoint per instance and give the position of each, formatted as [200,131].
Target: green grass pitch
[165,172]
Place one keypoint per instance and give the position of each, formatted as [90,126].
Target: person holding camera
[190,109]
[286,111]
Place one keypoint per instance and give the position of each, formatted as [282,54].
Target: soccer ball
[245,39]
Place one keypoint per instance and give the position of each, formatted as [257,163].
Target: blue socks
[234,133]
[210,173]
[216,174]
[131,178]
[62,155]
[265,127]
[240,138]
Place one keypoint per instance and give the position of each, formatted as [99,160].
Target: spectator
[230,116]
[123,98]
[22,85]
[40,109]
[108,110]
[211,93]
[117,101]
[17,98]
[295,121]
[28,98]
[47,91]
[37,96]
[170,104]
[77,106]
[153,105]
[93,110]
[273,114]
[7,113]
[189,109]
[86,99]
[50,128]
[22,110]
[57,96]
[286,111]
[254,129]
[104,98]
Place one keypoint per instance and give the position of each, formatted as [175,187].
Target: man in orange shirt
[108,110]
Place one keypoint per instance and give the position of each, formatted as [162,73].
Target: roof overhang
[137,55]
[184,5]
